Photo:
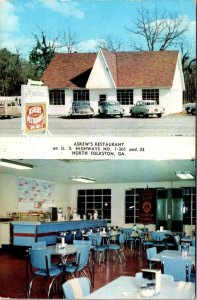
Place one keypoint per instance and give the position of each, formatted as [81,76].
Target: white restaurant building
[123,76]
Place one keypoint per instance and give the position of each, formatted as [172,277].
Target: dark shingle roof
[128,69]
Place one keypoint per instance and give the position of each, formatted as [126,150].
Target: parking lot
[172,125]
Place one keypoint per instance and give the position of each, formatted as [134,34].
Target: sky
[89,20]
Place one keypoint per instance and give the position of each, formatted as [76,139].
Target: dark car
[81,109]
[190,108]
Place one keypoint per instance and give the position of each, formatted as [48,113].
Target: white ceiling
[104,171]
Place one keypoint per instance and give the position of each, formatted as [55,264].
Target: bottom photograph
[97,229]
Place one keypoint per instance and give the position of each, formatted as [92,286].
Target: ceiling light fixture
[15,165]
[184,175]
[83,179]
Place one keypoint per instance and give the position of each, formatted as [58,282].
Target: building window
[80,95]
[99,199]
[125,96]
[102,98]
[150,94]
[132,205]
[57,97]
[189,206]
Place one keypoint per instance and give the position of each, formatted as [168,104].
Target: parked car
[146,108]
[111,108]
[9,109]
[190,108]
[81,109]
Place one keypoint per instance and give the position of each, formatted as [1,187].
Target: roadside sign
[34,109]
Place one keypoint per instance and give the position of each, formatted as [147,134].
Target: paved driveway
[167,126]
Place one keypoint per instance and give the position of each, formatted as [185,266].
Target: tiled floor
[13,273]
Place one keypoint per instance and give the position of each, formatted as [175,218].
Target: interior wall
[66,195]
[118,195]
[9,195]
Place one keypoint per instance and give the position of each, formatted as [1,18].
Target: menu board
[35,194]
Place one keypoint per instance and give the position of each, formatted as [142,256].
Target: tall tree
[42,52]
[10,73]
[158,31]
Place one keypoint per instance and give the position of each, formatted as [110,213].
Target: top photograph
[98,68]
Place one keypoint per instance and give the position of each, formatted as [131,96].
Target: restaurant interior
[132,216]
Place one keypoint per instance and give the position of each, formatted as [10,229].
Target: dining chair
[69,237]
[78,235]
[171,242]
[179,268]
[118,247]
[81,262]
[99,248]
[82,242]
[146,239]
[159,239]
[129,240]
[40,265]
[76,288]
[39,245]
[150,253]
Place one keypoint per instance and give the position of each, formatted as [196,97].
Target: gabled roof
[128,69]
[146,69]
[69,70]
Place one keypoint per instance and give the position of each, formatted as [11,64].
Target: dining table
[128,287]
[62,250]
[173,254]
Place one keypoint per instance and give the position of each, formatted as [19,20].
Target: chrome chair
[82,242]
[179,268]
[118,248]
[76,288]
[40,265]
[39,245]
[81,262]
[159,239]
[91,256]
[98,248]
[171,242]
[129,240]
[146,240]
[150,252]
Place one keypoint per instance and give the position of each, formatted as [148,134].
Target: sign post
[34,109]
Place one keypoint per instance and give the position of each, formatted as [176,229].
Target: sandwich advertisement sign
[34,102]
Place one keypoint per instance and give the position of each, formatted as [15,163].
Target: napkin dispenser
[154,276]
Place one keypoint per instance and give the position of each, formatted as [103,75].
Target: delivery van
[9,108]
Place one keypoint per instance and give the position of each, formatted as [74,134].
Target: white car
[146,108]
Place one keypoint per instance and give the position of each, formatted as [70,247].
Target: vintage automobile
[81,109]
[146,108]
[190,108]
[111,108]
[9,108]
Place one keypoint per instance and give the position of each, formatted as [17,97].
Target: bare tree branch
[112,44]
[69,41]
[158,31]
